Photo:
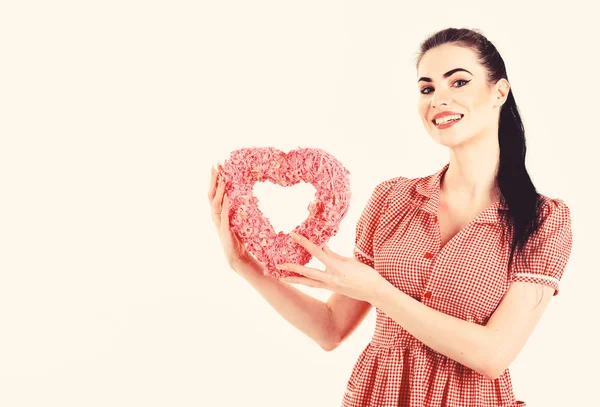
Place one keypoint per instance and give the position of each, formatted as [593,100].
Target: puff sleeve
[367,223]
[548,250]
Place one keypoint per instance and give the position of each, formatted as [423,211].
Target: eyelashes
[459,86]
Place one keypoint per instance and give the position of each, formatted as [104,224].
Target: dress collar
[430,188]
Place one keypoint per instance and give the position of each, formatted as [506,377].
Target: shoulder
[553,210]
[554,227]
[402,188]
[391,196]
[549,203]
[393,189]
[548,249]
[387,186]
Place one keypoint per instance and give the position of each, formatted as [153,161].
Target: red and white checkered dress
[398,235]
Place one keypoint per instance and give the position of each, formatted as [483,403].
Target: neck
[470,180]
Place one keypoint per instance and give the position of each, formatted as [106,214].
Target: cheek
[422,109]
[479,101]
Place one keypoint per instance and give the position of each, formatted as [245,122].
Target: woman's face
[452,81]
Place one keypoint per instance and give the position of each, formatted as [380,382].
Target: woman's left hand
[344,275]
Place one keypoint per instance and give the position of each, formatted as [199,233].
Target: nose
[440,97]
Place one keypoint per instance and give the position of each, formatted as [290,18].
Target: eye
[462,80]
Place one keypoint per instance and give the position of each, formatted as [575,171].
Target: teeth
[446,119]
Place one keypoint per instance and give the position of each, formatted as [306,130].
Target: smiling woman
[454,262]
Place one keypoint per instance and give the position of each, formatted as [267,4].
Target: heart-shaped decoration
[247,166]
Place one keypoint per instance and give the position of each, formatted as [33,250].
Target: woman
[460,265]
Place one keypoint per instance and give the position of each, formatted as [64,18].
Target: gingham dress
[397,234]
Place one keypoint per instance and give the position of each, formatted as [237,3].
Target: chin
[449,138]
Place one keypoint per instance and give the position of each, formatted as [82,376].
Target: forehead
[445,57]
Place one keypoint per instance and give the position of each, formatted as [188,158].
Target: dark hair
[517,191]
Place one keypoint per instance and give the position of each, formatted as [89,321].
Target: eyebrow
[447,74]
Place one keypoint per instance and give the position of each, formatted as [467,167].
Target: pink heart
[247,166]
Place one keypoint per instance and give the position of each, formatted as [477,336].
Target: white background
[113,287]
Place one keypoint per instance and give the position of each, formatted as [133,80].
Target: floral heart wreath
[247,166]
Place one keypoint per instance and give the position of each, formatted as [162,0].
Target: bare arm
[328,324]
[346,315]
[487,349]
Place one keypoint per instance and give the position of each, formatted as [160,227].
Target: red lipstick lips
[448,124]
[446,113]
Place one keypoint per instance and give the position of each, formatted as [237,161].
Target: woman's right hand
[235,251]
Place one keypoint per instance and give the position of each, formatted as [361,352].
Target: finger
[212,185]
[310,247]
[310,272]
[217,203]
[333,254]
[225,213]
